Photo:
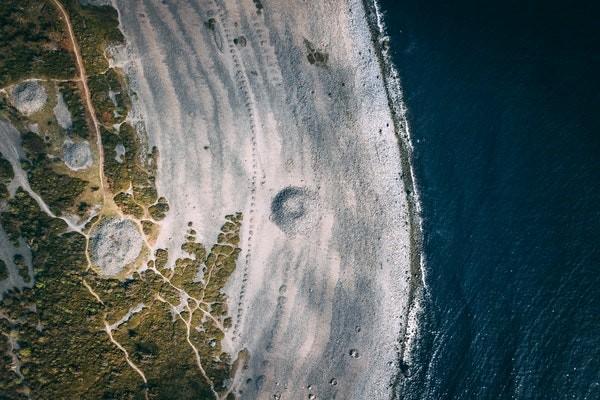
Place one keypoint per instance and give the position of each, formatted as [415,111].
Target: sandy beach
[280,111]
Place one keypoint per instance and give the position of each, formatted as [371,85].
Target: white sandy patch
[115,243]
[119,152]
[34,128]
[62,113]
[28,97]
[77,155]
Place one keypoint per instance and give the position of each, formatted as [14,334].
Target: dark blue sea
[504,109]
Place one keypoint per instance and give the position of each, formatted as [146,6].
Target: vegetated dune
[278,110]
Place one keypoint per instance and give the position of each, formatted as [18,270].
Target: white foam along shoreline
[395,94]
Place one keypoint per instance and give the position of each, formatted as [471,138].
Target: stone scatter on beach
[114,244]
[29,97]
[77,155]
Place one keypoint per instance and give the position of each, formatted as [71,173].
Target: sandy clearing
[62,113]
[236,126]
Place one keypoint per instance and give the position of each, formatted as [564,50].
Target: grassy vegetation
[159,210]
[69,357]
[72,97]
[109,110]
[130,172]
[32,42]
[59,325]
[3,270]
[95,28]
[6,175]
[128,205]
[72,357]
[59,191]
[6,171]
[22,269]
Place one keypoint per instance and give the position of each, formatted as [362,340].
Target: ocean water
[504,109]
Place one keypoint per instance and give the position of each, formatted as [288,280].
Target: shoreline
[398,111]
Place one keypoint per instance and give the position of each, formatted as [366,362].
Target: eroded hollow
[293,210]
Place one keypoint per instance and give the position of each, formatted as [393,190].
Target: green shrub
[32,42]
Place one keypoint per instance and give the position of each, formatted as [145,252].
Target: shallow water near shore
[501,103]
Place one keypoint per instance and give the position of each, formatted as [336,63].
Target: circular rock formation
[293,210]
[28,97]
[77,155]
[114,244]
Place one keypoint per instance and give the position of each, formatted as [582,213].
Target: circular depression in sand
[114,244]
[77,155]
[28,97]
[294,210]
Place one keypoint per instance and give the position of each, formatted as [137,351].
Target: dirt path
[86,94]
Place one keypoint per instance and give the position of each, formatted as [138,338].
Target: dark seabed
[503,100]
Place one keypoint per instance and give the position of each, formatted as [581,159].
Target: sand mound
[28,97]
[61,113]
[115,243]
[77,155]
[293,210]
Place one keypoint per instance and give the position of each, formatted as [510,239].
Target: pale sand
[330,275]
[62,113]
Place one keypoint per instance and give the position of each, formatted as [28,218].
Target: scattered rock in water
[77,155]
[114,244]
[293,210]
[62,113]
[28,97]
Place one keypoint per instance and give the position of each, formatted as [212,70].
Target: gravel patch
[28,97]
[115,243]
[77,155]
[62,113]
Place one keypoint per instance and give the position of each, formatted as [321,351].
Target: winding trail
[108,331]
[86,94]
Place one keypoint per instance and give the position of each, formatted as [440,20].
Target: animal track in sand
[244,87]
